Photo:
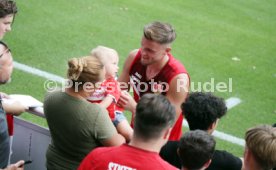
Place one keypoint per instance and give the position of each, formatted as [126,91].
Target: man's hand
[15,108]
[17,166]
[127,101]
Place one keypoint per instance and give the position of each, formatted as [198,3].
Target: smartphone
[26,162]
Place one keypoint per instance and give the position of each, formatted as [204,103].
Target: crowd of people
[90,132]
[202,112]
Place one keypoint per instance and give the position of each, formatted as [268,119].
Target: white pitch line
[37,72]
[231,102]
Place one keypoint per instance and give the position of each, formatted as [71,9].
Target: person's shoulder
[224,154]
[166,166]
[176,64]
[170,146]
[101,151]
[53,94]
[156,162]
[175,59]
[225,160]
[96,108]
[133,53]
[130,59]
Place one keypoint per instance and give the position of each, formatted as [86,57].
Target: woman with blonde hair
[77,126]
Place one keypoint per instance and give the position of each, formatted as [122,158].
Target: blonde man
[153,69]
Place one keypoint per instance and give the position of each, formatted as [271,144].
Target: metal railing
[30,141]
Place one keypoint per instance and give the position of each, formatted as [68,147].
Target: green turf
[209,34]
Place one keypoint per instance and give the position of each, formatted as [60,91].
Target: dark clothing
[221,160]
[4,138]
[225,160]
[169,153]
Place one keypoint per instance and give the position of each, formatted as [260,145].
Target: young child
[109,92]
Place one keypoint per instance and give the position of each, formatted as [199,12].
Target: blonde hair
[261,141]
[85,69]
[162,33]
[103,53]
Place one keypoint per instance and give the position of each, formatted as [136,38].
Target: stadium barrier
[30,142]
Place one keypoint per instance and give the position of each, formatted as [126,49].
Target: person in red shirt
[109,92]
[153,69]
[153,122]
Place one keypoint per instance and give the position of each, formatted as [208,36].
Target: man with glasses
[6,120]
[6,65]
[8,10]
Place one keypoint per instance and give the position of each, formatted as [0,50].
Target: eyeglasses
[6,50]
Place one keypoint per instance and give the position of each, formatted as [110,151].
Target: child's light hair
[103,53]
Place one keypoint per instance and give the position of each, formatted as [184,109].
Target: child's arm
[112,94]
[106,101]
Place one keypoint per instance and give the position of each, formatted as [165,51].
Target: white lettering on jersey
[138,75]
[115,166]
[134,81]
[98,95]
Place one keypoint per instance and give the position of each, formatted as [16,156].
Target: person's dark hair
[202,109]
[195,149]
[162,33]
[153,114]
[7,7]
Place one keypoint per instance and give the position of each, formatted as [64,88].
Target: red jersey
[123,157]
[157,84]
[109,87]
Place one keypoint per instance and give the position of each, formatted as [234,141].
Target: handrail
[38,111]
